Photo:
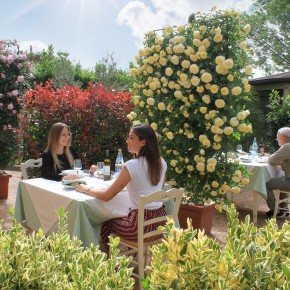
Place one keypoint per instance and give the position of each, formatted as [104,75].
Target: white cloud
[36,45]
[142,18]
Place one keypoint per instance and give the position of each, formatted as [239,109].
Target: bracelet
[87,191]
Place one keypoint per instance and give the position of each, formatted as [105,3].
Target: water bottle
[119,162]
[254,149]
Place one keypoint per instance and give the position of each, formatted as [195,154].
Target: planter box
[201,216]
[4,181]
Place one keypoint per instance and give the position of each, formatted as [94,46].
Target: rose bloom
[178,95]
[185,64]
[183,77]
[236,91]
[190,135]
[195,81]
[161,106]
[14,93]
[245,181]
[248,70]
[216,146]
[200,166]
[234,122]
[154,126]
[206,42]
[215,184]
[196,34]
[243,45]
[170,135]
[235,189]
[185,114]
[230,77]
[218,38]
[217,138]
[220,69]
[228,63]
[142,104]
[200,89]
[168,71]
[169,50]
[214,89]
[175,60]
[201,138]
[153,86]
[220,103]
[206,143]
[189,167]
[196,42]
[129,117]
[213,193]
[247,88]
[247,28]
[210,167]
[203,110]
[150,101]
[228,130]
[241,115]
[224,91]
[242,127]
[173,162]
[10,106]
[206,77]
[163,61]
[219,59]
[206,99]
[218,122]
[215,129]
[194,69]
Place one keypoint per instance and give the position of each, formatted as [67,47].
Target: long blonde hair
[52,144]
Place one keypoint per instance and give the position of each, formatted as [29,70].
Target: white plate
[72,171]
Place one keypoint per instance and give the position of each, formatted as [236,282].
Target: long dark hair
[150,151]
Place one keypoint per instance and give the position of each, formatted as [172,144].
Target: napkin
[73,182]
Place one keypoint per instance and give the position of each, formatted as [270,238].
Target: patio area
[242,201]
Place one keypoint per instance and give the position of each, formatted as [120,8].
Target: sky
[91,29]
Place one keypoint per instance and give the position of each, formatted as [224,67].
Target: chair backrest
[159,196]
[28,164]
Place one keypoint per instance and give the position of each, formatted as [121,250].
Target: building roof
[272,79]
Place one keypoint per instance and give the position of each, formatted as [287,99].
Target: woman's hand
[82,188]
[93,169]
[71,177]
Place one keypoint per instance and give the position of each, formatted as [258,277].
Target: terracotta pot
[4,181]
[201,216]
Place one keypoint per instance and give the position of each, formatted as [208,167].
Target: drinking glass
[239,148]
[100,166]
[77,165]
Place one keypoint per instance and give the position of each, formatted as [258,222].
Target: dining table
[39,199]
[260,173]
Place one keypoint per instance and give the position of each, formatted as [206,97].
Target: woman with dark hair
[59,155]
[142,175]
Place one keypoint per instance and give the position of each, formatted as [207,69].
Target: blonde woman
[59,155]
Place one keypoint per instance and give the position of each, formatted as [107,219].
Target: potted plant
[191,85]
[14,73]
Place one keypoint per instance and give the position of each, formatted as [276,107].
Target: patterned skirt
[127,227]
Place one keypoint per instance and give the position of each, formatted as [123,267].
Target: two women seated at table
[59,155]
[142,175]
[281,158]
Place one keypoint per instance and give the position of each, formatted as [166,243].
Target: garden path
[243,203]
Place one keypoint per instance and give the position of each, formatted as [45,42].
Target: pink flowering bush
[14,73]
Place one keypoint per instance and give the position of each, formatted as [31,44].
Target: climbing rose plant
[191,86]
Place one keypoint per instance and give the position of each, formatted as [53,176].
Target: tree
[270,28]
[108,74]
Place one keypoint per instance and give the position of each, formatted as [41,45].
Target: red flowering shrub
[97,118]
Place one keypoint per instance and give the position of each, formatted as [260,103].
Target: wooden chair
[31,163]
[278,201]
[141,247]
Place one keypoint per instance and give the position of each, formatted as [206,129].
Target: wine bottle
[107,166]
[119,162]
